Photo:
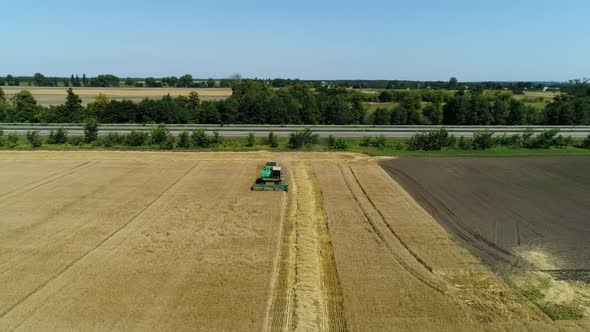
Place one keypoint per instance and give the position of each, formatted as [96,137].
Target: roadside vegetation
[436,142]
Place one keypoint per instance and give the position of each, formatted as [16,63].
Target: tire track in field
[19,192]
[307,295]
[395,246]
[111,235]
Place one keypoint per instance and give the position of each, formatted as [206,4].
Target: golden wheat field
[117,241]
[54,96]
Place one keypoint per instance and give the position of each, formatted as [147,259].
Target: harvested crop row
[307,296]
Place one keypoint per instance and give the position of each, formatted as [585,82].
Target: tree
[433,114]
[107,80]
[358,109]
[385,96]
[171,81]
[193,103]
[185,81]
[90,130]
[309,112]
[209,113]
[453,83]
[39,79]
[25,108]
[501,109]
[399,116]
[151,82]
[98,108]
[129,81]
[73,107]
[382,116]
[2,95]
[84,80]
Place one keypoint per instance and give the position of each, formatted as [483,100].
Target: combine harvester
[271,178]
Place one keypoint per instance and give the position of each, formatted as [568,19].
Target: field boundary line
[75,261]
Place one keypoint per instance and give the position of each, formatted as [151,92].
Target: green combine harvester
[271,178]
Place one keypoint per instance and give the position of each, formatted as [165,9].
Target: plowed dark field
[502,207]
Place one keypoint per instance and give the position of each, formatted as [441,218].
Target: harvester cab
[271,178]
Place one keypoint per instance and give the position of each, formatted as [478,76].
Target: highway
[323,131]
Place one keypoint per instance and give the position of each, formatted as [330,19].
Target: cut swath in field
[307,294]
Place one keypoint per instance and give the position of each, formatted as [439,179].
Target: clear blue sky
[416,40]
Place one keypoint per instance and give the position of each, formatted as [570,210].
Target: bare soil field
[499,205]
[530,213]
[56,95]
[95,240]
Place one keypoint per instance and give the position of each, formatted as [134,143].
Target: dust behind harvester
[271,178]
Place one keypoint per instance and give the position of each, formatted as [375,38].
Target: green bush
[136,138]
[544,140]
[184,140]
[216,140]
[272,140]
[464,143]
[562,142]
[168,143]
[303,138]
[376,142]
[514,141]
[433,140]
[60,136]
[159,134]
[113,139]
[34,139]
[586,143]
[75,140]
[11,141]
[200,138]
[366,141]
[90,130]
[483,140]
[337,143]
[251,139]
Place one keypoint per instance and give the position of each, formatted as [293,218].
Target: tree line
[187,81]
[109,80]
[253,102]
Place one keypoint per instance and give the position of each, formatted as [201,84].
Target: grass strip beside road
[394,147]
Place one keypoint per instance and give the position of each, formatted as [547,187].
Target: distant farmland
[54,96]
